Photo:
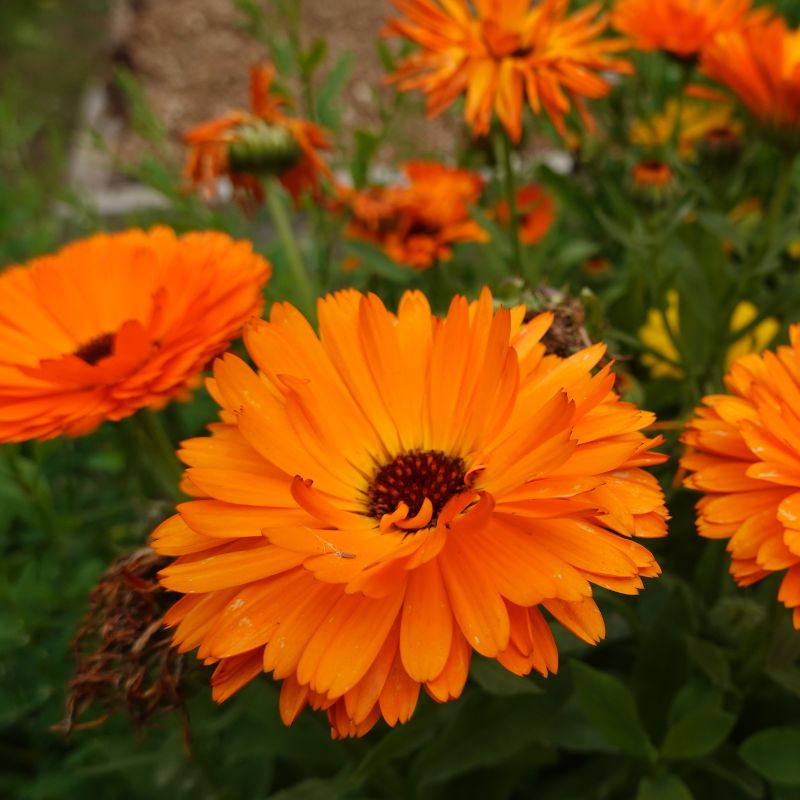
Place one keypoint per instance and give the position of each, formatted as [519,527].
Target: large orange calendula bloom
[761,65]
[503,52]
[381,501]
[744,455]
[683,28]
[417,223]
[244,146]
[115,323]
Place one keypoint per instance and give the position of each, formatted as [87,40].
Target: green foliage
[695,692]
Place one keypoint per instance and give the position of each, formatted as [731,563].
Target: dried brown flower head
[124,659]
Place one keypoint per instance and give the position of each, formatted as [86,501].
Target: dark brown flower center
[521,52]
[411,478]
[95,349]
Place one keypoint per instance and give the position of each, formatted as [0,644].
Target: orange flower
[115,323]
[652,173]
[744,451]
[503,52]
[417,224]
[683,28]
[536,211]
[382,500]
[243,145]
[761,64]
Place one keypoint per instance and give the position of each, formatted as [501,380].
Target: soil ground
[192,57]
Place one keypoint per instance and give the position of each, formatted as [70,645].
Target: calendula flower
[653,182]
[246,146]
[652,173]
[663,358]
[115,323]
[687,123]
[417,223]
[761,65]
[500,53]
[382,500]
[536,211]
[683,28]
[744,456]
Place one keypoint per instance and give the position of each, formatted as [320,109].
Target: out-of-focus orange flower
[596,266]
[536,211]
[653,181]
[503,52]
[418,223]
[683,28]
[115,323]
[652,173]
[761,65]
[744,453]
[386,498]
[247,145]
[688,123]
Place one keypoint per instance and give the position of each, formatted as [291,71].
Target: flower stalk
[303,286]
[502,147]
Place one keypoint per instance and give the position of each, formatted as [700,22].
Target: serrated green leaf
[610,707]
[775,754]
[663,787]
[697,734]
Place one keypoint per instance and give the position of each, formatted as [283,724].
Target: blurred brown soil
[192,57]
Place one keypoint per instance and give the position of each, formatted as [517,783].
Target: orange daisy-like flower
[115,323]
[683,28]
[652,173]
[417,224]
[503,52]
[761,64]
[536,210]
[380,501]
[243,145]
[744,453]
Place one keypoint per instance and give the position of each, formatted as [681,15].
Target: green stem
[502,146]
[687,69]
[306,296]
[36,491]
[168,469]
[779,198]
[754,265]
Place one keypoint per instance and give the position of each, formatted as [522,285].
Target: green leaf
[775,754]
[610,707]
[329,96]
[495,679]
[375,260]
[663,787]
[485,734]
[398,743]
[366,145]
[697,734]
[315,789]
[788,679]
[314,56]
[711,660]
